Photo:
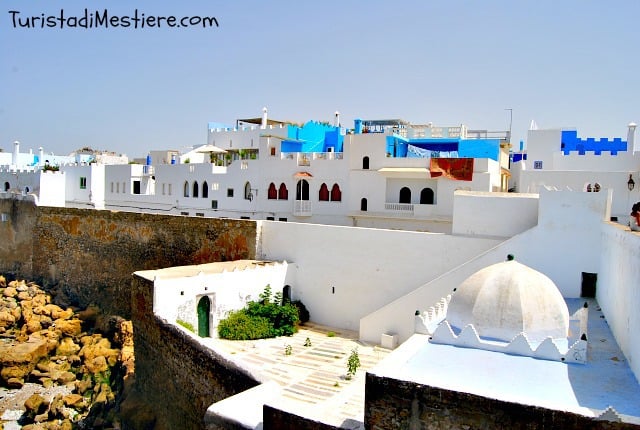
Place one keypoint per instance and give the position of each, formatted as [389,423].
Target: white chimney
[631,136]
[41,156]
[337,119]
[16,151]
[264,118]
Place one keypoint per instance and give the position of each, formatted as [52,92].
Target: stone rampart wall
[175,374]
[391,403]
[86,256]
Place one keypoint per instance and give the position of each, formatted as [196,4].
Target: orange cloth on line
[460,169]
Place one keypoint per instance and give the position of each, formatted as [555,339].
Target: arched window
[365,163]
[247,191]
[186,189]
[323,194]
[196,188]
[283,193]
[302,190]
[405,195]
[426,196]
[26,190]
[336,194]
[205,190]
[363,205]
[7,186]
[272,193]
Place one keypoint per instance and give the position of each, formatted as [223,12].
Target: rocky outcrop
[43,343]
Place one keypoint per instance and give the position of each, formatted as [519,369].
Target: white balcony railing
[399,208]
[302,208]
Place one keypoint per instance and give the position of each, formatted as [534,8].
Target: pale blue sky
[560,63]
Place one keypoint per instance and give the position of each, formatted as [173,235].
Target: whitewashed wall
[52,188]
[346,273]
[551,247]
[177,297]
[494,214]
[622,198]
[618,289]
[20,181]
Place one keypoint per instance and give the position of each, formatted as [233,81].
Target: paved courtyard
[311,378]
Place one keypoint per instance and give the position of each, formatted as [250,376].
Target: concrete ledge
[242,411]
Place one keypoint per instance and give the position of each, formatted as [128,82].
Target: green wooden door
[204,307]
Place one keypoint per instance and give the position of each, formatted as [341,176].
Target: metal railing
[302,208]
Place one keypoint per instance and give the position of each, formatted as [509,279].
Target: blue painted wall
[312,137]
[466,148]
[214,125]
[570,142]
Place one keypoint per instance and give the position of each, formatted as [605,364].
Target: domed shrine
[510,307]
[509,298]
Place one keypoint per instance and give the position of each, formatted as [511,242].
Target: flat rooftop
[195,269]
[310,382]
[585,389]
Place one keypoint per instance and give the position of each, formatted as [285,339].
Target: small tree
[353,363]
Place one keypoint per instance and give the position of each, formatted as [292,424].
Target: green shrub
[241,326]
[303,313]
[261,319]
[186,325]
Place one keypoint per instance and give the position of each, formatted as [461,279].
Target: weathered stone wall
[394,404]
[176,375]
[87,256]
[16,236]
[276,419]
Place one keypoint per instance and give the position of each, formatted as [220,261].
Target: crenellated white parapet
[548,349]
[427,321]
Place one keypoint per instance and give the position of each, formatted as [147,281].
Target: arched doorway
[426,196]
[7,186]
[204,310]
[405,195]
[363,205]
[302,190]
[286,294]
[365,163]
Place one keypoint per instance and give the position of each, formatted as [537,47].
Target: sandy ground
[12,401]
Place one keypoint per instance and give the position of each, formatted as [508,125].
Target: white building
[559,158]
[384,173]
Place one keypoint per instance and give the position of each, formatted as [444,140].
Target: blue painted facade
[451,147]
[313,137]
[219,125]
[570,142]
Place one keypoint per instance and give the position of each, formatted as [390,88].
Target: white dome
[509,298]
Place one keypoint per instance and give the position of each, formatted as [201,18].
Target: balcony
[304,158]
[302,208]
[399,209]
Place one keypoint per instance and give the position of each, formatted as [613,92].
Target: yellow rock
[33,326]
[67,347]
[69,327]
[73,400]
[36,403]
[10,292]
[96,364]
